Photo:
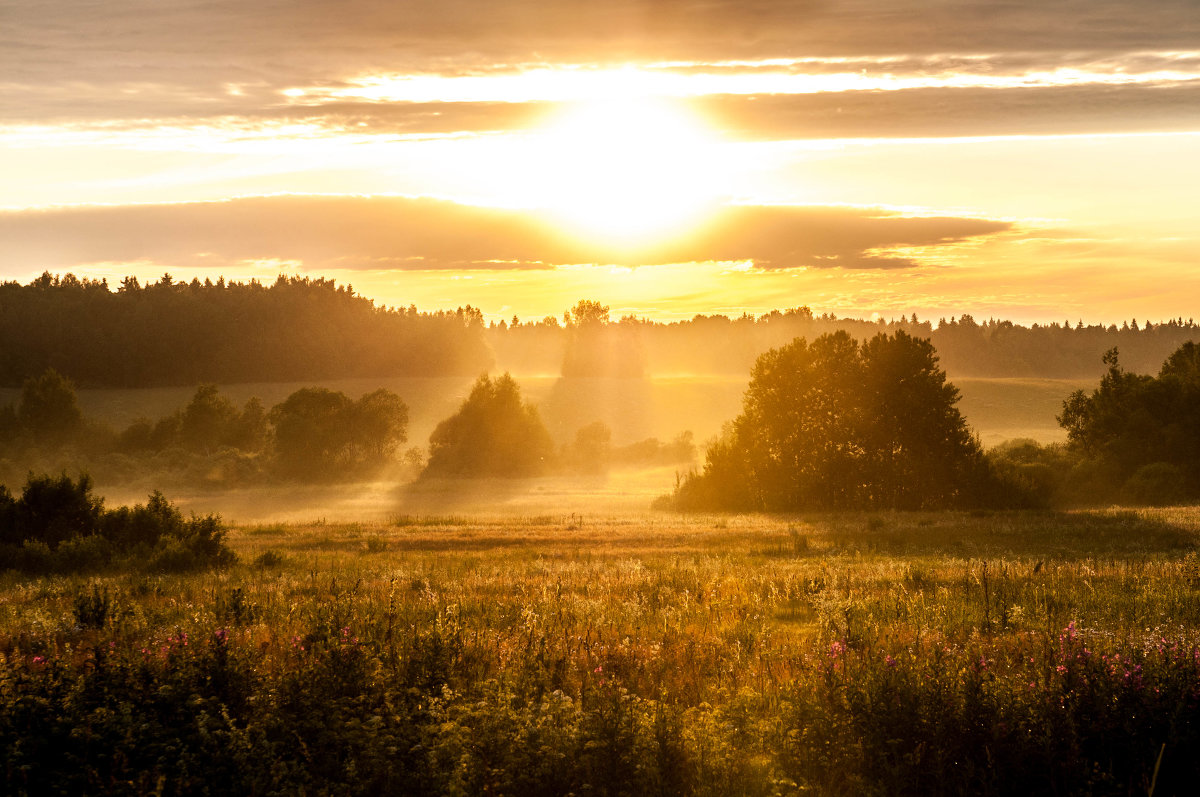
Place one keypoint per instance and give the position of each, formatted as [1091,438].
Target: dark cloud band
[424,234]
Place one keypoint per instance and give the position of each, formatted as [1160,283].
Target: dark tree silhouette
[321,433]
[833,425]
[494,433]
[172,332]
[209,421]
[1139,436]
[48,406]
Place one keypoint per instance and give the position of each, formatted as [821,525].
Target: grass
[841,654]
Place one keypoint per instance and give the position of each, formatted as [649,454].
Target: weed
[92,610]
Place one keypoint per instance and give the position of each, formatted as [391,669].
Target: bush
[92,611]
[57,525]
[1156,484]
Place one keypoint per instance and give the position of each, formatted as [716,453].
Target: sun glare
[630,172]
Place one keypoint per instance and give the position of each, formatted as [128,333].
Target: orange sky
[1024,160]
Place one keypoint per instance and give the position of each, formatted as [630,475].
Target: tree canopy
[321,432]
[1139,436]
[494,433]
[836,424]
[183,333]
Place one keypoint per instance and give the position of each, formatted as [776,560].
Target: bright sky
[1026,160]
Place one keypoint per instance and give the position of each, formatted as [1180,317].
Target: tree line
[1135,438]
[171,332]
[835,424]
[589,342]
[315,434]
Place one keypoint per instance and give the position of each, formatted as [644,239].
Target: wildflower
[220,636]
[836,649]
[1061,669]
[39,659]
[599,668]
[890,661]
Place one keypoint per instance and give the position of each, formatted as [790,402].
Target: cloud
[186,55]
[929,113]
[396,233]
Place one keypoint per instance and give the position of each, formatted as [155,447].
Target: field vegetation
[884,653]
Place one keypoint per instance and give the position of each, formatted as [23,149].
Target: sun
[628,172]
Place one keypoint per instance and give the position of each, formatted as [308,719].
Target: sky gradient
[1023,160]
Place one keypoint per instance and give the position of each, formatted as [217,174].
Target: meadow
[628,653]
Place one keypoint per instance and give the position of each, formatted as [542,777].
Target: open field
[632,653]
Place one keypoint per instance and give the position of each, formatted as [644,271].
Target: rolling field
[628,653]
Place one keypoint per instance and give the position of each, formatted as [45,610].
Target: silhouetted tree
[494,433]
[916,440]
[321,433]
[51,509]
[833,424]
[48,406]
[173,332]
[1139,436]
[209,421]
[378,427]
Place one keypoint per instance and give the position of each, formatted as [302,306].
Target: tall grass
[853,654]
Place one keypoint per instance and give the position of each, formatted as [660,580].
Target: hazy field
[638,653]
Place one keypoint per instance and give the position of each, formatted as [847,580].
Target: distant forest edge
[171,333]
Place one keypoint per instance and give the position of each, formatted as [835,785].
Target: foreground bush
[59,526]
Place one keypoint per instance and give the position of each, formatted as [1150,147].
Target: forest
[172,332]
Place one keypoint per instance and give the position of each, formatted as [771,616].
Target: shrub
[92,611]
[1156,484]
[57,525]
